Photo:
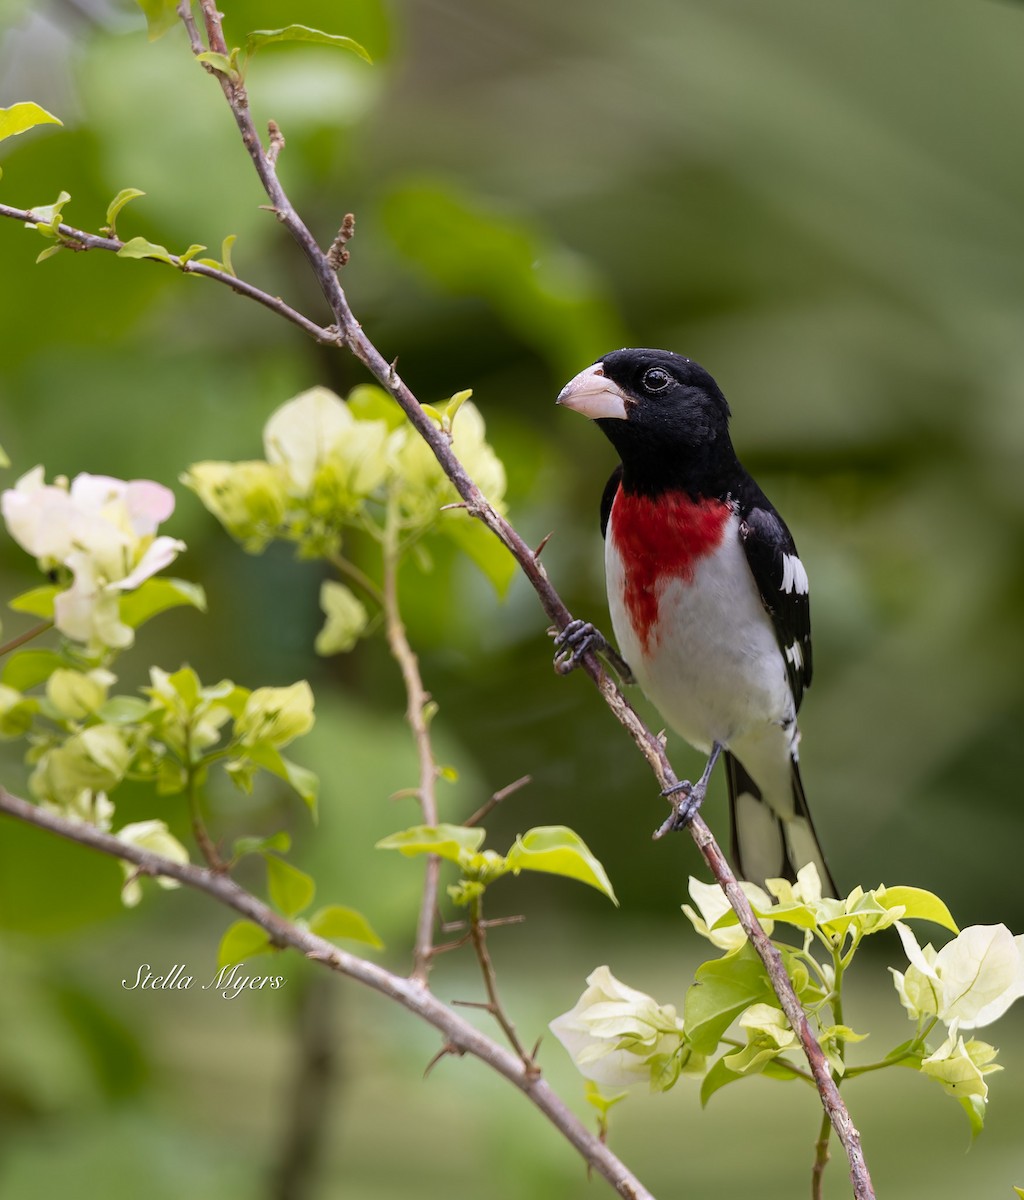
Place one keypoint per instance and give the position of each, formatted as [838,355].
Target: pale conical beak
[593,395]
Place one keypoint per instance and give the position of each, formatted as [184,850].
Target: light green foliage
[302,33]
[291,890]
[970,982]
[123,197]
[161,15]
[138,247]
[97,535]
[22,116]
[347,618]
[242,940]
[551,849]
[341,923]
[155,837]
[333,467]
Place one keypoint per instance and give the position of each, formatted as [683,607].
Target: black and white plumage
[708,596]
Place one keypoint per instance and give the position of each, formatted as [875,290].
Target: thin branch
[460,1036]
[78,240]
[478,932]
[27,636]
[416,712]
[501,794]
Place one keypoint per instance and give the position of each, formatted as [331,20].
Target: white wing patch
[795,654]
[794,577]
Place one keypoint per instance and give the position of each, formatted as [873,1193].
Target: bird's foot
[686,799]
[579,638]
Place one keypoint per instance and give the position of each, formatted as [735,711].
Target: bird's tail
[773,836]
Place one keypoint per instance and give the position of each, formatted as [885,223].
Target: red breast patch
[661,539]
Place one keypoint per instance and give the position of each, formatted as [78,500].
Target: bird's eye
[656,380]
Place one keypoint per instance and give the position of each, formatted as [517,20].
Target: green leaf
[123,710]
[302,33]
[336,921]
[724,988]
[214,59]
[476,541]
[920,905]
[280,842]
[138,247]
[4,460]
[346,622]
[38,602]
[29,668]
[160,15]
[556,850]
[225,253]
[123,197]
[291,890]
[46,217]
[242,940]
[719,1075]
[157,595]
[49,252]
[191,252]
[22,116]
[974,1107]
[301,779]
[448,841]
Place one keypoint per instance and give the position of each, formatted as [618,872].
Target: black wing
[782,583]
[610,488]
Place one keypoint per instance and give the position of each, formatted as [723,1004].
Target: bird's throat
[657,539]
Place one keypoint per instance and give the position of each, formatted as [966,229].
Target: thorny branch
[347,332]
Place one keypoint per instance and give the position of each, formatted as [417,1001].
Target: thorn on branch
[320,956]
[338,256]
[543,542]
[446,1049]
[393,380]
[276,140]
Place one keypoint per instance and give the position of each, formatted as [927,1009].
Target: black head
[664,414]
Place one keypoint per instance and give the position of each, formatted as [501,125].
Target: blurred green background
[823,204]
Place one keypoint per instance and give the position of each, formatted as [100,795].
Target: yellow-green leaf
[448,841]
[38,601]
[138,247]
[303,33]
[242,940]
[291,890]
[157,595]
[160,16]
[337,921]
[22,116]
[556,850]
[215,59]
[123,197]
[920,905]
[29,668]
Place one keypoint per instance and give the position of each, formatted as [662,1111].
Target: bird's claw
[577,639]
[686,799]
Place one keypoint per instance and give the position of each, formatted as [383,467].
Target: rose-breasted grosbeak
[708,597]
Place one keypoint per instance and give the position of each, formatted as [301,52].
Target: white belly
[711,666]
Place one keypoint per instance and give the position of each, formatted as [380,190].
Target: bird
[708,599]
